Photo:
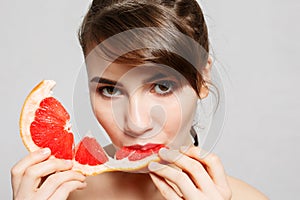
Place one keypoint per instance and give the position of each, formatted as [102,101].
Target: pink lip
[154,147]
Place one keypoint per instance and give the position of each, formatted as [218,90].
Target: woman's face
[142,104]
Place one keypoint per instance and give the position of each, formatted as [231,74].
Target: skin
[148,105]
[130,115]
[28,173]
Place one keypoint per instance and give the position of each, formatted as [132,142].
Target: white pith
[68,126]
[124,165]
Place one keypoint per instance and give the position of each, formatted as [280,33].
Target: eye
[163,87]
[109,91]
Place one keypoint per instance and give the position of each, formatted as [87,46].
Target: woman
[148,65]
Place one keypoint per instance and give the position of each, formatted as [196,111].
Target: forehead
[98,67]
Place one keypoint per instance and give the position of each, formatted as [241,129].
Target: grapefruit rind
[89,170]
[133,166]
[31,104]
[123,165]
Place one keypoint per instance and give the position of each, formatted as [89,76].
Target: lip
[145,147]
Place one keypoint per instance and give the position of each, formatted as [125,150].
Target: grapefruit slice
[44,122]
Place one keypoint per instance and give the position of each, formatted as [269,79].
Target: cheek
[180,118]
[101,108]
[104,115]
[173,118]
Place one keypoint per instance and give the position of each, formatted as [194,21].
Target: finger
[192,167]
[54,182]
[179,178]
[165,189]
[65,189]
[33,174]
[19,168]
[212,164]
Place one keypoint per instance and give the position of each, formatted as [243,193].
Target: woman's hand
[39,176]
[196,178]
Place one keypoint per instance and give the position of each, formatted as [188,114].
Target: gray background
[255,42]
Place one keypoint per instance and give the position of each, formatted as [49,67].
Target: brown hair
[107,18]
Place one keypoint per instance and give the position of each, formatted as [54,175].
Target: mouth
[138,151]
[147,147]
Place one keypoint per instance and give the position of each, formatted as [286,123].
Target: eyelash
[171,85]
[100,90]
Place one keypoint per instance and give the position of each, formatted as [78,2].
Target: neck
[139,184]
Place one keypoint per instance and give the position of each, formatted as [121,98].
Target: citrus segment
[90,152]
[123,153]
[49,129]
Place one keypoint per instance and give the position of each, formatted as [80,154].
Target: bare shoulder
[244,191]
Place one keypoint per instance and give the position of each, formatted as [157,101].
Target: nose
[138,117]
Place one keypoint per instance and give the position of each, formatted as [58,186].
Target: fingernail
[154,166]
[83,185]
[46,151]
[184,148]
[163,151]
[68,162]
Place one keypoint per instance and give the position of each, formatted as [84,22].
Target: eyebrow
[97,79]
[155,77]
